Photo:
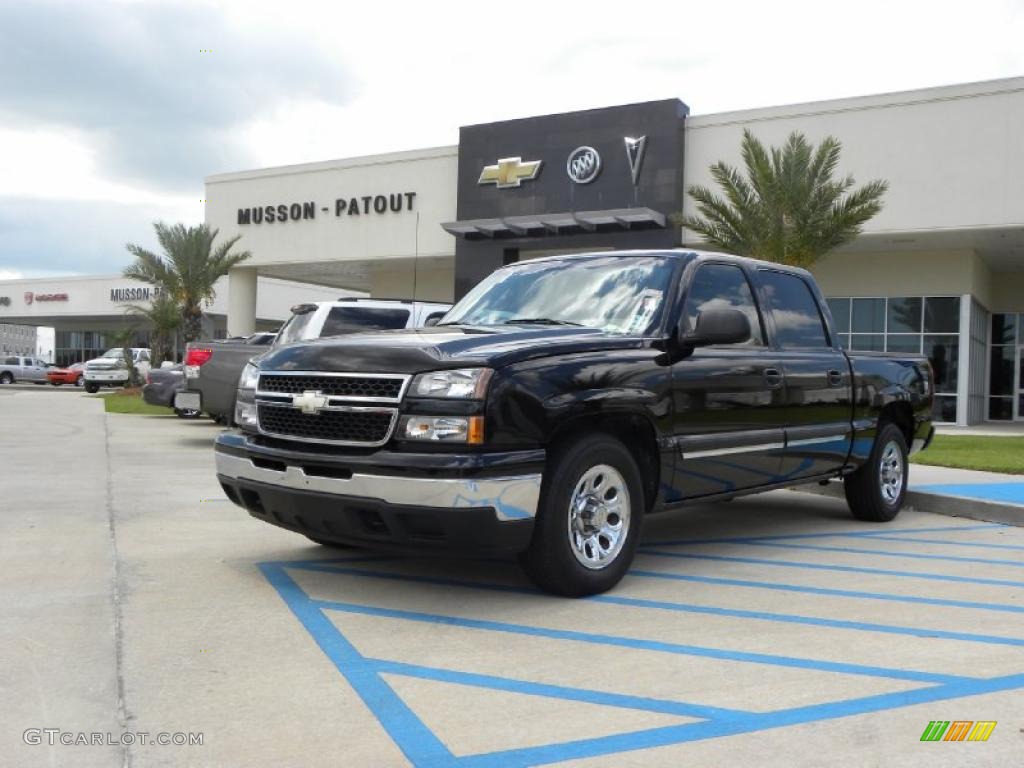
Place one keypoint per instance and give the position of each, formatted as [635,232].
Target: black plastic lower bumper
[372,523]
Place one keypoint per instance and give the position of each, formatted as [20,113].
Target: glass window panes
[722,286]
[867,342]
[794,309]
[1003,329]
[905,315]
[943,353]
[840,309]
[868,316]
[1001,370]
[942,315]
[904,342]
[944,408]
[1000,408]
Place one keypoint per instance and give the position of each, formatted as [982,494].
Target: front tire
[6,377]
[92,388]
[876,491]
[588,519]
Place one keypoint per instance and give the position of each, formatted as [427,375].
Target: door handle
[835,378]
[773,377]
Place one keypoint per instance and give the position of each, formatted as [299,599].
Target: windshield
[618,295]
[294,329]
[115,352]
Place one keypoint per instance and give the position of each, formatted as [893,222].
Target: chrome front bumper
[512,498]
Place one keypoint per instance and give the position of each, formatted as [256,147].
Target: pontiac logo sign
[310,401]
[510,172]
[583,165]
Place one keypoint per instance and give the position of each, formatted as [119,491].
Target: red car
[70,375]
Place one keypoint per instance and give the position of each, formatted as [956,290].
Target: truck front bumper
[479,503]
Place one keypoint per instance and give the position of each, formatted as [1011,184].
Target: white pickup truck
[109,369]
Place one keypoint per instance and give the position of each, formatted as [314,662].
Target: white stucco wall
[430,174]
[953,156]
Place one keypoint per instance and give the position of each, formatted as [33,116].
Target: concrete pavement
[773,631]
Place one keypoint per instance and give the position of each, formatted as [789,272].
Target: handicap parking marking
[422,746]
[1005,493]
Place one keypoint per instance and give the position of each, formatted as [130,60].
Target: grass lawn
[131,402]
[994,454]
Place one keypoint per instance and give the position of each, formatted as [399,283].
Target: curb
[940,504]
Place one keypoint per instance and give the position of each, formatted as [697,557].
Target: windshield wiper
[539,321]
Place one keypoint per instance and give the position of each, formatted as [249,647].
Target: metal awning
[556,223]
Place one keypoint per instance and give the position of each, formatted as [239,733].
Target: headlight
[249,378]
[463,383]
[446,429]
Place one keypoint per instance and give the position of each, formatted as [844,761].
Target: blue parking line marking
[403,726]
[661,706]
[945,542]
[837,568]
[795,536]
[617,640]
[881,553]
[666,605]
[422,747]
[940,601]
[678,734]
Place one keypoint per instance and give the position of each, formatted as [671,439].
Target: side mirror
[431,322]
[718,326]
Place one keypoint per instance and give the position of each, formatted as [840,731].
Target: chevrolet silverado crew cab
[563,400]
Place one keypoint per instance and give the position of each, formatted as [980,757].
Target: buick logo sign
[583,165]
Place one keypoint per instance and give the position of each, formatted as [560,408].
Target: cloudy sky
[112,113]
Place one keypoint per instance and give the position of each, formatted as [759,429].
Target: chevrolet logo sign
[510,172]
[310,401]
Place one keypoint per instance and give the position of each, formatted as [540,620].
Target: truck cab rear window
[343,320]
[798,322]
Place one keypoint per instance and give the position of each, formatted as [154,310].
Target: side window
[722,286]
[10,361]
[798,322]
[144,356]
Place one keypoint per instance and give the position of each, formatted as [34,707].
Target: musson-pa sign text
[363,205]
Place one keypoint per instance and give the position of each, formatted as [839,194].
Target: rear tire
[6,377]
[588,518]
[91,388]
[876,491]
[56,383]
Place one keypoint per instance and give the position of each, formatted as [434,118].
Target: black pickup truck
[561,401]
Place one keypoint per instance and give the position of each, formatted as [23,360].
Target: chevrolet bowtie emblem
[310,401]
[510,172]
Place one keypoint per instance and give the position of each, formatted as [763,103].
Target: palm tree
[163,315]
[787,208]
[187,270]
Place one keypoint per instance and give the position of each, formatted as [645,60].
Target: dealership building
[87,312]
[939,271]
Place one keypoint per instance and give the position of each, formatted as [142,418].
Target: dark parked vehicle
[162,384]
[211,373]
[565,398]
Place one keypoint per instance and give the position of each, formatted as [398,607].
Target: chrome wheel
[599,516]
[891,473]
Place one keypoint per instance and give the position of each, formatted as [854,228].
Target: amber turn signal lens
[475,436]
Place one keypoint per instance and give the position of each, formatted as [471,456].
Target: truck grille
[360,426]
[335,385]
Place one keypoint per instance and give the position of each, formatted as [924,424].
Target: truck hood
[424,349]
